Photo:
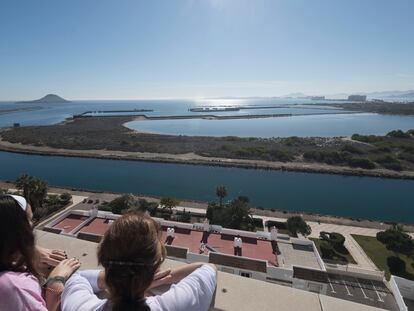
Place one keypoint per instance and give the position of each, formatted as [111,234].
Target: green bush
[105,208]
[65,198]
[278,224]
[396,265]
[328,157]
[280,155]
[292,141]
[296,224]
[398,134]
[396,240]
[362,163]
[352,149]
[327,251]
[390,162]
[367,138]
[407,157]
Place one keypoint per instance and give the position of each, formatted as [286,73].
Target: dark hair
[131,252]
[17,242]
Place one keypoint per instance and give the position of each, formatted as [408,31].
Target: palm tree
[25,183]
[34,190]
[221,193]
[169,203]
[39,192]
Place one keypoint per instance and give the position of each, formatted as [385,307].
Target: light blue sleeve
[193,293]
[78,294]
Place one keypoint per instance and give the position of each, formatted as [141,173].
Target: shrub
[278,224]
[390,162]
[352,149]
[292,141]
[367,138]
[328,157]
[65,198]
[362,163]
[396,265]
[398,134]
[280,155]
[335,239]
[296,224]
[124,202]
[105,208]
[396,240]
[407,157]
[327,251]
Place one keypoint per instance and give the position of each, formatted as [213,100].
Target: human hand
[48,257]
[65,268]
[161,278]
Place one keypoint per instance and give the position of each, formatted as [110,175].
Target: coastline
[194,159]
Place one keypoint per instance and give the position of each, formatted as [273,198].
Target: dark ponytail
[128,304]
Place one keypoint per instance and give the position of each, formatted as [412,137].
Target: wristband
[55,279]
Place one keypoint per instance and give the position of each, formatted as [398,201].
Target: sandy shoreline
[191,158]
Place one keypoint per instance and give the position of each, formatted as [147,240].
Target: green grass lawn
[342,258]
[379,254]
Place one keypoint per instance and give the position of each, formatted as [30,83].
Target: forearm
[53,295]
[177,274]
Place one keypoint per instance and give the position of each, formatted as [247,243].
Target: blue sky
[100,49]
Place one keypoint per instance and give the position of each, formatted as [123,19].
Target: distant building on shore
[357,98]
[317,97]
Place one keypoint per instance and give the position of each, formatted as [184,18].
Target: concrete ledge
[233,292]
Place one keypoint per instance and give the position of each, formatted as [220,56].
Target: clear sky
[118,49]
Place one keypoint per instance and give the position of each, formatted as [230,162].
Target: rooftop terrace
[284,252]
[233,292]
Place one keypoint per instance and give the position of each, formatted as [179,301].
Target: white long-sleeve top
[193,293]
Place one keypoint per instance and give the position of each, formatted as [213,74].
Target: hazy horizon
[292,95]
[188,49]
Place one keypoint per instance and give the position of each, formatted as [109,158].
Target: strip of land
[107,137]
[4,111]
[376,107]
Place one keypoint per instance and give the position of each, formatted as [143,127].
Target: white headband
[20,200]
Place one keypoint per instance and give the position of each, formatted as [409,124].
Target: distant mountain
[49,98]
[409,94]
[296,94]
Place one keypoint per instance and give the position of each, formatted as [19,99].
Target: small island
[49,98]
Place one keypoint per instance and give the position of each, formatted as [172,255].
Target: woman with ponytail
[131,254]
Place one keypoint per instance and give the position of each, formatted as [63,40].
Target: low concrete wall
[239,232]
[184,225]
[52,230]
[177,252]
[318,257]
[191,257]
[355,272]
[396,290]
[281,274]
[89,237]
